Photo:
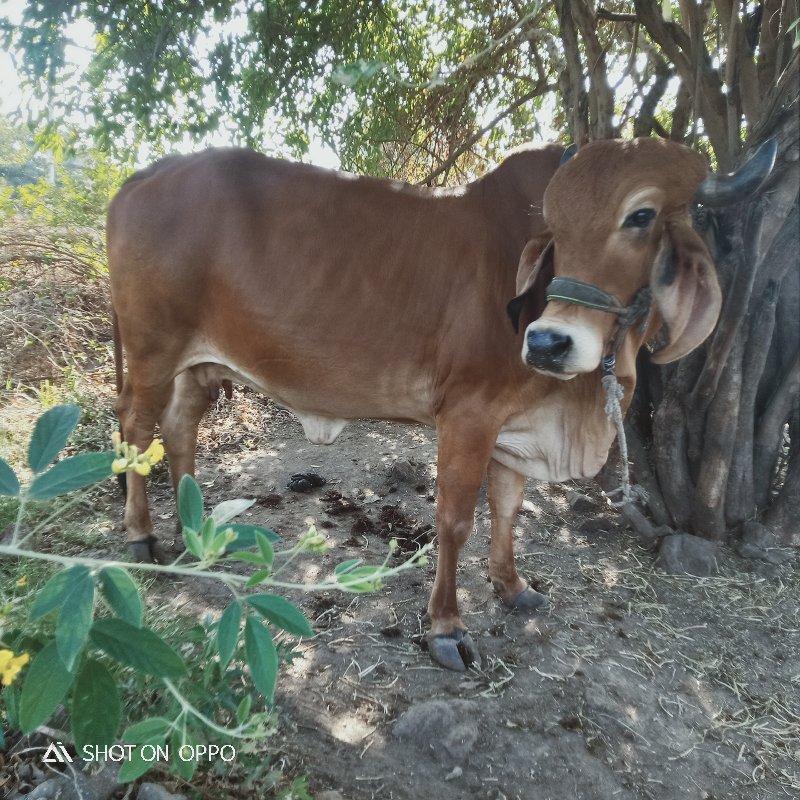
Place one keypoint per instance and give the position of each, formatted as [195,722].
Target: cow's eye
[640,218]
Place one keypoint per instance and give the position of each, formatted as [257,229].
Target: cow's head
[620,235]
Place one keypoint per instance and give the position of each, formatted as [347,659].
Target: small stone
[152,791]
[51,789]
[683,554]
[409,472]
[446,727]
[758,535]
[105,781]
[581,503]
[747,550]
[330,794]
[454,773]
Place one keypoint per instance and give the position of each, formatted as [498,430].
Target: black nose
[547,349]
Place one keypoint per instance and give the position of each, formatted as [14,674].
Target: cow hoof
[454,651]
[141,551]
[305,481]
[529,600]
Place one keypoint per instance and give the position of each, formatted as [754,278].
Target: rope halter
[570,290]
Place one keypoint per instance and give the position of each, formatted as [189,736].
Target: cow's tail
[120,379]
[118,373]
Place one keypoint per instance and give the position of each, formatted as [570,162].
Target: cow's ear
[534,273]
[685,290]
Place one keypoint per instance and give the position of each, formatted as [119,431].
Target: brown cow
[345,297]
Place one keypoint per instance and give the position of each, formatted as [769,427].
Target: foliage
[208,682]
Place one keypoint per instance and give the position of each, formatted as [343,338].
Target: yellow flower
[119,465]
[22,582]
[155,452]
[129,459]
[10,665]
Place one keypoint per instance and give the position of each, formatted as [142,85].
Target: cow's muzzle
[547,349]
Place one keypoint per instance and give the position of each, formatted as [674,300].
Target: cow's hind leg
[505,489]
[180,422]
[138,409]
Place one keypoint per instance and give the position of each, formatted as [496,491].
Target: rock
[77,786]
[330,794]
[747,550]
[581,502]
[409,472]
[105,781]
[683,554]
[757,535]
[759,542]
[448,728]
[51,789]
[152,791]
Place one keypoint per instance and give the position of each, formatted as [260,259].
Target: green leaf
[265,547]
[46,685]
[346,566]
[139,648]
[55,591]
[148,730]
[11,699]
[258,577]
[72,473]
[359,579]
[228,632]
[50,434]
[262,657]
[122,595]
[207,533]
[96,707]
[9,485]
[279,611]
[184,768]
[228,509]
[75,619]
[135,766]
[192,542]
[246,536]
[190,503]
[249,558]
[243,709]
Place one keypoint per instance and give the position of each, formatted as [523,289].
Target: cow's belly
[377,399]
[555,443]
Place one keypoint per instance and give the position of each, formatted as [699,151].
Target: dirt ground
[634,684]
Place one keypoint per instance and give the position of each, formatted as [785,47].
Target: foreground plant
[215,681]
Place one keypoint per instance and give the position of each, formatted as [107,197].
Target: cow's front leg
[505,489]
[462,458]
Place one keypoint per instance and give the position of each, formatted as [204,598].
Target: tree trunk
[725,443]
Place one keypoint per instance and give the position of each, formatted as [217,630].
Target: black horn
[568,153]
[724,190]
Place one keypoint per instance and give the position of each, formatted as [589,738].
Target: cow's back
[332,292]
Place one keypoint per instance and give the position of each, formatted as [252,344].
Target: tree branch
[692,61]
[578,100]
[645,120]
[601,98]
[613,16]
[468,143]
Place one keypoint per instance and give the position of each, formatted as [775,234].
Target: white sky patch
[18,100]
